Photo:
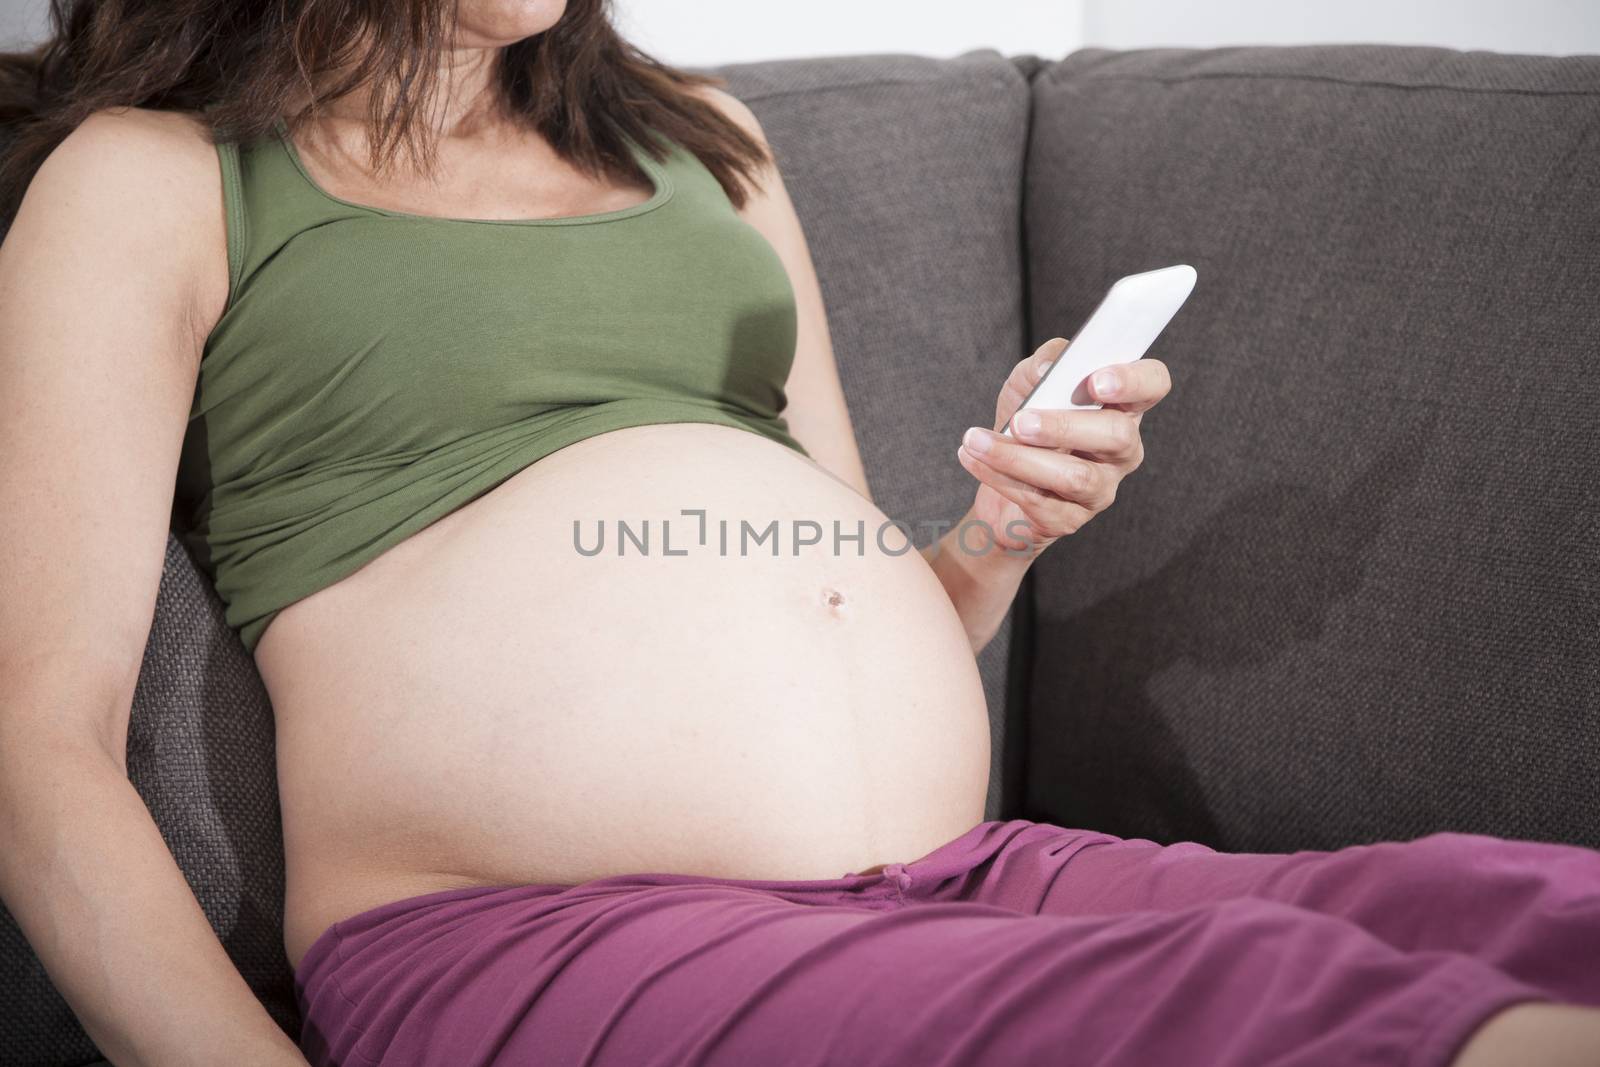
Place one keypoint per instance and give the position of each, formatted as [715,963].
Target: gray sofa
[1355,591]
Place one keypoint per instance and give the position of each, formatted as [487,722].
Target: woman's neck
[464,101]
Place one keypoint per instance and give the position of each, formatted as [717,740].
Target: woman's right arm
[110,279]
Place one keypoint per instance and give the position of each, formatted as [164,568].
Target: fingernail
[976,440]
[1027,423]
[1106,384]
[1044,368]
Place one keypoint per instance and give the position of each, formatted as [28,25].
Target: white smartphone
[1121,330]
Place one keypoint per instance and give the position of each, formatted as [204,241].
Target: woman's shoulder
[154,166]
[733,109]
[133,185]
[136,145]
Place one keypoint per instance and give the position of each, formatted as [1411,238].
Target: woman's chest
[435,330]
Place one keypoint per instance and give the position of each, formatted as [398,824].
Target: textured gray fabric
[913,223]
[907,176]
[200,752]
[1353,594]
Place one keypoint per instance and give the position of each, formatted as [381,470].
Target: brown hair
[243,64]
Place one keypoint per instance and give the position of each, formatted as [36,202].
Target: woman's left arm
[1033,490]
[1061,469]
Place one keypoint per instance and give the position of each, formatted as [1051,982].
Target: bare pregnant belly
[493,702]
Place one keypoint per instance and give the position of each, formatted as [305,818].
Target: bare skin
[481,704]
[94,399]
[1549,1035]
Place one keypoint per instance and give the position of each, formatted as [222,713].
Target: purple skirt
[1015,943]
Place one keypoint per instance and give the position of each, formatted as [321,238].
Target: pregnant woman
[414,317]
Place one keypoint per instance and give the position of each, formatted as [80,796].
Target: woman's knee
[1236,974]
[1488,872]
[1533,1034]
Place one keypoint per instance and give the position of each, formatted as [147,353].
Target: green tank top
[374,370]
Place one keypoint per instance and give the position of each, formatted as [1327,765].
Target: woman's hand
[1059,471]
[1060,468]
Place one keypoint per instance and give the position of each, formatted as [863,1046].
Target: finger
[1068,477]
[1024,376]
[1044,511]
[1136,386]
[1046,516]
[1109,434]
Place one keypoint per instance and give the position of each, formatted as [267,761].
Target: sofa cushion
[1354,594]
[913,223]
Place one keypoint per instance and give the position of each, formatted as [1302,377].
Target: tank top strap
[267,201]
[233,211]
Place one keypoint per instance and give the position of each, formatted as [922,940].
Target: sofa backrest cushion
[1354,593]
[906,173]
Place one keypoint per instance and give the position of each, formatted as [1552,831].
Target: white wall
[693,32]
[21,21]
[1558,27]
[704,32]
